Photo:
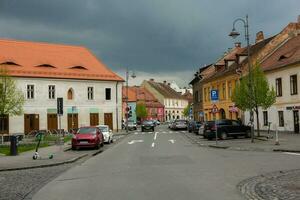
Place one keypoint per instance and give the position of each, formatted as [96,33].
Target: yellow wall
[223,84]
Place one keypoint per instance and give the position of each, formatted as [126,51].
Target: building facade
[44,72]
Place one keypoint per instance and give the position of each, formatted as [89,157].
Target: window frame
[51,92]
[90,93]
[265,118]
[278,83]
[280,118]
[108,89]
[293,84]
[30,92]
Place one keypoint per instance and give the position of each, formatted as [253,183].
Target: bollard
[13,145]
[277,140]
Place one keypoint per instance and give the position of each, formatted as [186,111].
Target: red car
[89,136]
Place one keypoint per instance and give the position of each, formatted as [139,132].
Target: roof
[132,97]
[45,60]
[165,90]
[287,54]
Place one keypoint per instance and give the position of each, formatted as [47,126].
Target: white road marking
[172,141]
[136,133]
[134,141]
[164,132]
[143,133]
[155,136]
[153,144]
[170,131]
[291,153]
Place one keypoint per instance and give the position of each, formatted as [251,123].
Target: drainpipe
[117,110]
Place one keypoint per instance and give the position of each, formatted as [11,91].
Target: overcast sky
[161,39]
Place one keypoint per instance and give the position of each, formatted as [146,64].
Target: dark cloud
[148,35]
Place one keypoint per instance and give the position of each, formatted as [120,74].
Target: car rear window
[87,130]
[147,122]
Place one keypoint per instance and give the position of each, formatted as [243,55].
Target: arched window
[70,94]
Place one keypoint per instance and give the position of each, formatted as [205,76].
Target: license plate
[84,142]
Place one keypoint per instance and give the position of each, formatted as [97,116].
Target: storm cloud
[158,38]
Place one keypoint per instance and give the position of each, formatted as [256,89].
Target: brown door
[4,124]
[94,119]
[31,122]
[108,120]
[52,121]
[296,121]
[72,121]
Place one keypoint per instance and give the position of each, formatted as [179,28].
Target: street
[164,164]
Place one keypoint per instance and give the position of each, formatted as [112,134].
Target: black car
[225,128]
[148,125]
[194,126]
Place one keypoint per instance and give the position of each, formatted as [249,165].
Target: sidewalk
[288,142]
[25,161]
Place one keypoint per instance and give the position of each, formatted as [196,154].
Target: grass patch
[4,149]
[55,138]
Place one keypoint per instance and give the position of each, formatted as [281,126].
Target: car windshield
[148,122]
[103,128]
[87,130]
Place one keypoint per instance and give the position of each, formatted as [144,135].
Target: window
[107,93]
[229,89]
[90,93]
[281,118]
[30,91]
[51,91]
[205,95]
[265,115]
[224,90]
[196,96]
[293,83]
[278,87]
[70,94]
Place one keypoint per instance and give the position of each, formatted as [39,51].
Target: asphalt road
[163,165]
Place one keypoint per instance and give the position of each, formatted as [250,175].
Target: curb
[286,150]
[46,165]
[218,147]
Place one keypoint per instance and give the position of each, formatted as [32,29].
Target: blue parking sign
[214,95]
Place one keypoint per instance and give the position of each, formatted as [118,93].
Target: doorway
[108,120]
[296,121]
[52,121]
[94,119]
[72,121]
[31,122]
[222,113]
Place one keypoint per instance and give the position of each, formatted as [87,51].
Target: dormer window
[78,67]
[282,57]
[46,65]
[10,63]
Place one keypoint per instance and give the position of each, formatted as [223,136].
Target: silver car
[107,133]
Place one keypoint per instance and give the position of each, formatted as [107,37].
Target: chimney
[165,82]
[237,44]
[259,36]
[169,84]
[151,79]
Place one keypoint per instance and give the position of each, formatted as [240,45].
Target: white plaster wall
[41,102]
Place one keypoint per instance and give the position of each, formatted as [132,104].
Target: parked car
[179,124]
[88,136]
[193,126]
[107,133]
[132,125]
[148,125]
[225,128]
[156,122]
[170,124]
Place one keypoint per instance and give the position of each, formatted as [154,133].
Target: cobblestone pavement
[283,185]
[23,184]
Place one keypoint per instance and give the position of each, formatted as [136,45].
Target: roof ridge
[41,43]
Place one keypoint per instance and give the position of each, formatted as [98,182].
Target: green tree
[141,111]
[186,111]
[262,94]
[11,98]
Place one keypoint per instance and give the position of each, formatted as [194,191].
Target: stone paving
[283,185]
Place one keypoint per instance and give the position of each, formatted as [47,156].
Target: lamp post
[234,34]
[127,108]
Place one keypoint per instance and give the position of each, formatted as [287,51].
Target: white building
[92,93]
[180,90]
[173,101]
[282,70]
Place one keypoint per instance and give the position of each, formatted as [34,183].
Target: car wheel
[74,148]
[153,130]
[248,134]
[190,131]
[142,130]
[223,136]
[97,146]
[112,140]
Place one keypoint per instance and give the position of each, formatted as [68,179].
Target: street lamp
[127,108]
[234,34]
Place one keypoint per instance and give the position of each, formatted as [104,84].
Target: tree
[141,111]
[186,111]
[262,95]
[11,98]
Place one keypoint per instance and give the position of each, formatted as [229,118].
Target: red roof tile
[45,60]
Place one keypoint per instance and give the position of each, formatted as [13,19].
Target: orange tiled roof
[45,60]
[131,94]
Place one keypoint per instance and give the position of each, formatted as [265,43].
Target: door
[72,121]
[4,124]
[52,121]
[31,122]
[94,119]
[296,121]
[108,120]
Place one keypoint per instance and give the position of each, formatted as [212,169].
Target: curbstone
[46,165]
[218,147]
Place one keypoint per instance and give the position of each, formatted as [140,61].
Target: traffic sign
[214,109]
[60,106]
[214,95]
